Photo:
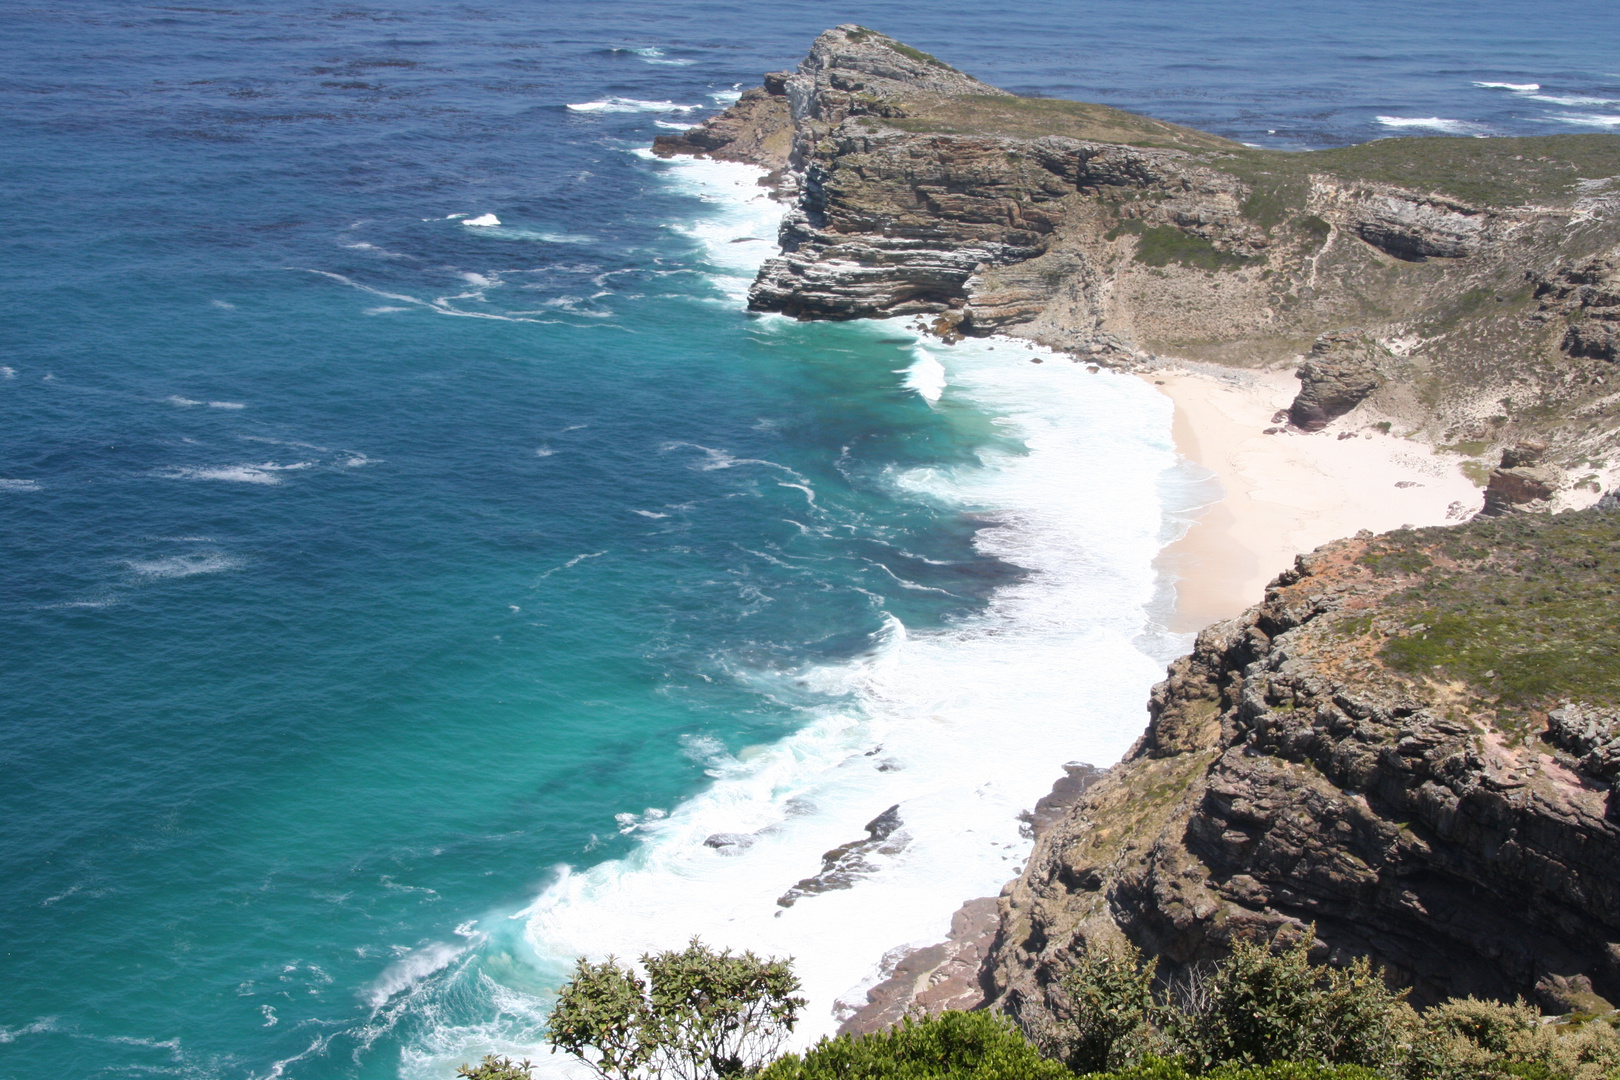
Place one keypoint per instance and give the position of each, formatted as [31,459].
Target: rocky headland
[1464,291]
[1408,747]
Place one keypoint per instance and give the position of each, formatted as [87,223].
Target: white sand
[1288,492]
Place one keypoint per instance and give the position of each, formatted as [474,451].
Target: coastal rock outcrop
[1586,298]
[757,130]
[1522,482]
[1342,369]
[1410,745]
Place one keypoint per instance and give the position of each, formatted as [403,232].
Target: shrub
[497,1068]
[1260,1007]
[955,1045]
[699,1015]
[1112,1016]
[1468,1039]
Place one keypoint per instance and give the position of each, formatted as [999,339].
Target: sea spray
[960,728]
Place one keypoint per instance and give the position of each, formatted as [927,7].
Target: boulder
[1522,481]
[1342,369]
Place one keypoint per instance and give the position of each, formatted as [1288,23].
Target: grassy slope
[1522,613]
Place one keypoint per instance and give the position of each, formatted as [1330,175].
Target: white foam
[181,566]
[42,1026]
[19,485]
[225,305]
[482,221]
[672,125]
[265,473]
[1429,123]
[1517,88]
[738,209]
[8,373]
[629,105]
[226,405]
[963,728]
[411,969]
[1590,119]
[727,97]
[1573,101]
[183,402]
[926,376]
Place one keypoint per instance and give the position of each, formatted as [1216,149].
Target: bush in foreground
[699,1014]
[950,1046]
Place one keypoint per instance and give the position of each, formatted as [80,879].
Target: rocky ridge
[1410,747]
[1482,273]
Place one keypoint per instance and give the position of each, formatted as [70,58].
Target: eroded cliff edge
[1469,288]
[1411,745]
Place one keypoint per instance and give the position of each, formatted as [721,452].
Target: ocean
[413,553]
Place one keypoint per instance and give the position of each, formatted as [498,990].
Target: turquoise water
[393,606]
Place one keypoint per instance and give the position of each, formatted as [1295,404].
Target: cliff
[1411,745]
[1480,276]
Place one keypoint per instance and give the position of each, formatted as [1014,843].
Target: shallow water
[393,604]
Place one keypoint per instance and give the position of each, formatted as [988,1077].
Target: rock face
[930,980]
[1417,228]
[1522,482]
[1309,763]
[1587,296]
[1342,369]
[917,189]
[758,130]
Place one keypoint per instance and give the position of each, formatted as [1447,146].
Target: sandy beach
[1287,492]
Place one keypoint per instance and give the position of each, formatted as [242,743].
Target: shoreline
[1287,492]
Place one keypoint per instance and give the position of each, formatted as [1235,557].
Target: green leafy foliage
[1158,1068]
[699,1014]
[1112,1017]
[1468,1039]
[1262,1006]
[497,1068]
[950,1046]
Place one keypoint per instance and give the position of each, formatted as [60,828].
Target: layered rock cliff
[1411,745]
[1482,273]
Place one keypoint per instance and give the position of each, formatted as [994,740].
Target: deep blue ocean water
[390,606]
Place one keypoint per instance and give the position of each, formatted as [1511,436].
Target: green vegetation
[1175,1069]
[497,1068]
[1486,172]
[1262,1014]
[699,1014]
[958,1045]
[1032,118]
[861,33]
[1257,1008]
[1161,245]
[1523,610]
